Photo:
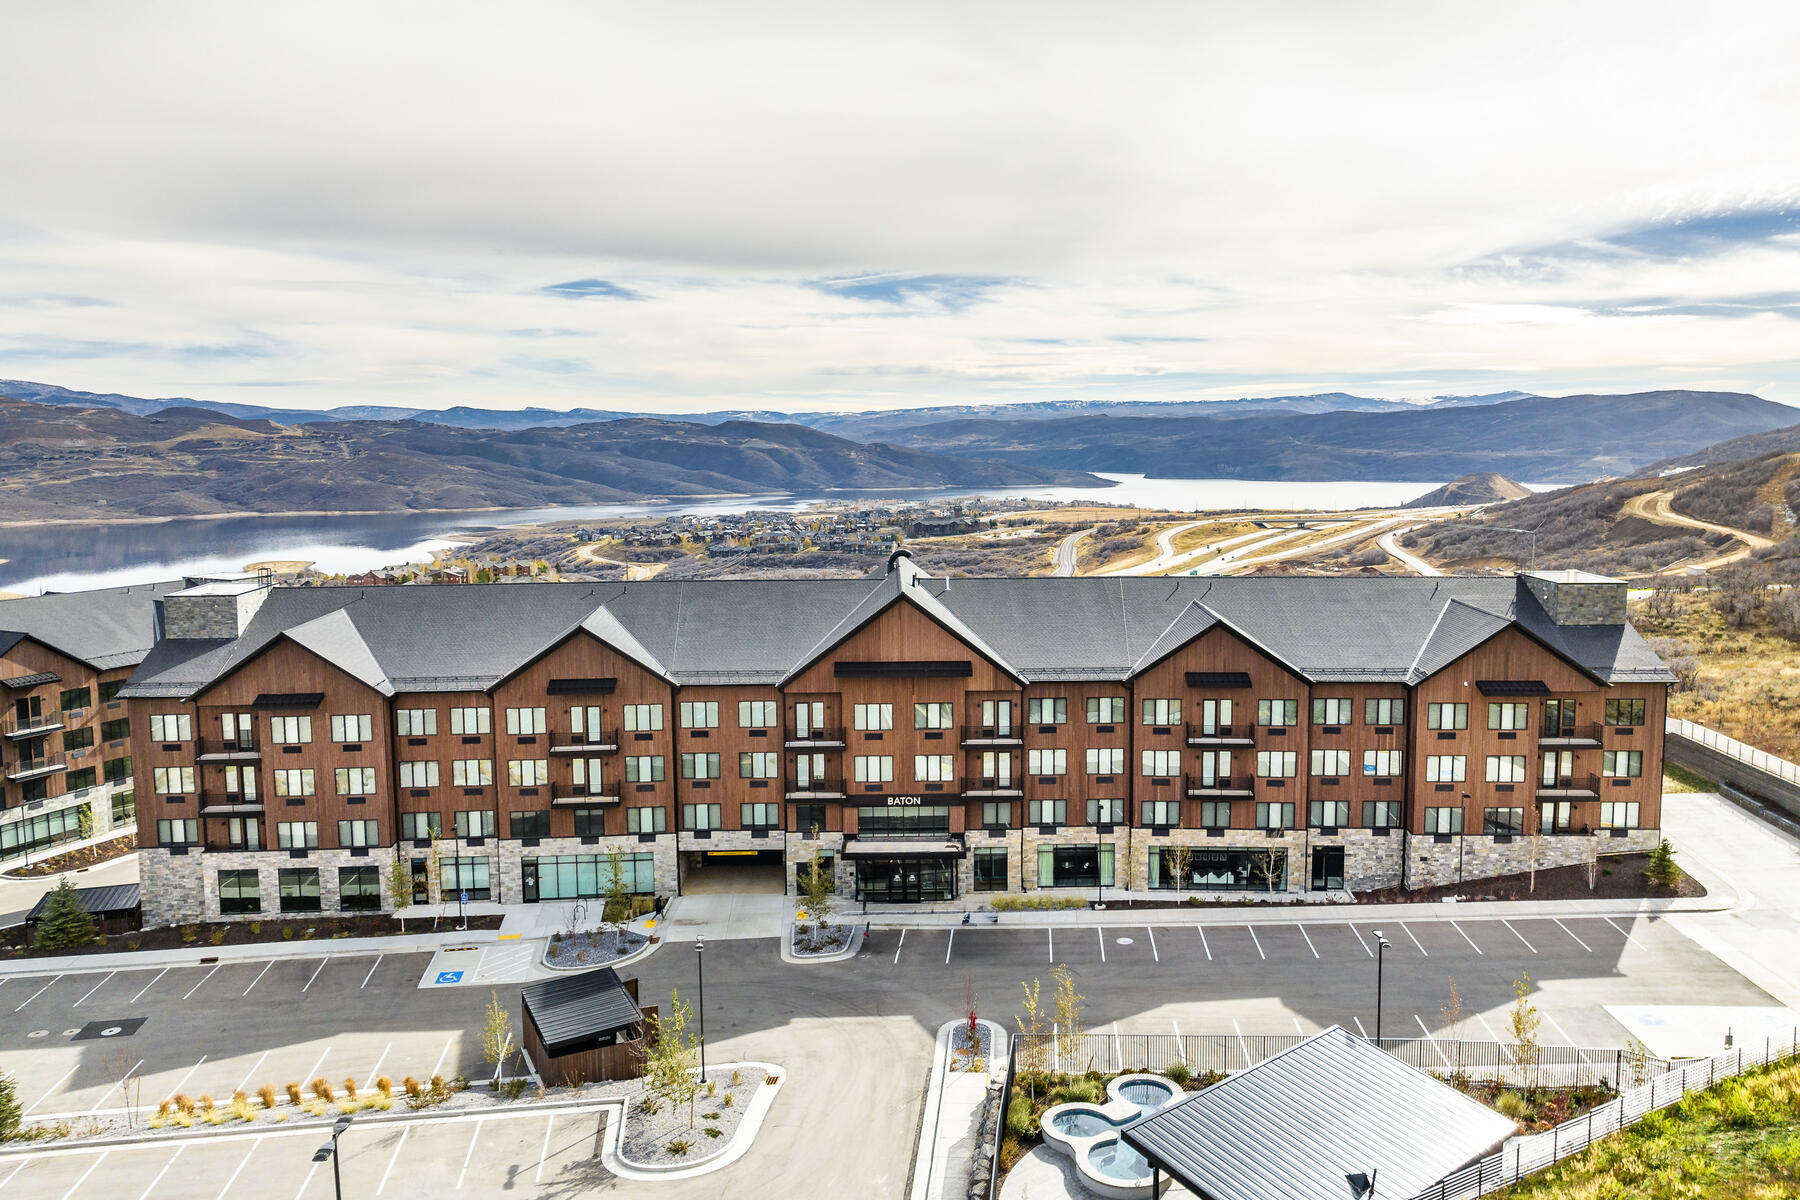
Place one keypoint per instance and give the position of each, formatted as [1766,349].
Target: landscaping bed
[594,948]
[1619,877]
[1036,1092]
[75,860]
[818,941]
[658,1135]
[244,933]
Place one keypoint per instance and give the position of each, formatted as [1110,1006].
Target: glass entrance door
[1328,868]
[906,880]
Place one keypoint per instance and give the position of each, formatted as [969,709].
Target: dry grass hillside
[1737,650]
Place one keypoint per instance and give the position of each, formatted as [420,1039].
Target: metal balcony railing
[1220,785]
[1221,735]
[818,736]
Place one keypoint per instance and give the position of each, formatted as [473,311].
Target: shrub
[323,1090]
[1011,1151]
[218,935]
[712,1087]
[385,1086]
[679,1147]
[712,1132]
[293,1093]
[411,1086]
[162,1110]
[266,1094]
[240,1108]
[287,933]
[737,1077]
[11,1115]
[1179,1073]
[1036,902]
[350,1086]
[726,1099]
[1511,1104]
[206,1104]
[256,927]
[190,933]
[185,1103]
[649,1106]
[1021,1119]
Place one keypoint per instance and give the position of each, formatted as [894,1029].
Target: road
[1655,508]
[633,571]
[1390,543]
[1066,553]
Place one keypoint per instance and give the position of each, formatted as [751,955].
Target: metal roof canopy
[117,899]
[1301,1124]
[1512,687]
[573,1011]
[21,682]
[856,847]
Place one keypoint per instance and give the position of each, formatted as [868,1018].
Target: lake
[70,557]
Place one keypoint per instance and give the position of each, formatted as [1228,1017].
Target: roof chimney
[218,609]
[895,557]
[1577,597]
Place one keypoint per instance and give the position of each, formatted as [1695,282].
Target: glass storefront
[583,876]
[905,880]
[903,820]
[1075,866]
[1222,870]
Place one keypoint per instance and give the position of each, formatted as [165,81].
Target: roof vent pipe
[895,557]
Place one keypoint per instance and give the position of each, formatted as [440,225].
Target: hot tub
[1089,1134]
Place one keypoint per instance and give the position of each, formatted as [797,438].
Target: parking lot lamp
[700,1008]
[1381,945]
[330,1150]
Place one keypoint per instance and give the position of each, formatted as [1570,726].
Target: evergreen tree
[1661,869]
[66,922]
[10,1113]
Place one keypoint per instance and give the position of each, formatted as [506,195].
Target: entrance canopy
[897,848]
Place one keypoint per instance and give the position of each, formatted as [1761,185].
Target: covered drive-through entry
[754,871]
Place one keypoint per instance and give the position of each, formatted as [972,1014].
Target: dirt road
[1654,507]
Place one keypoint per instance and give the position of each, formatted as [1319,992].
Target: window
[238,730]
[352,728]
[1383,764]
[874,717]
[1275,764]
[241,781]
[117,770]
[470,722]
[1381,814]
[1048,812]
[990,870]
[874,768]
[1332,712]
[529,824]
[1502,820]
[1329,814]
[1051,710]
[995,814]
[472,772]
[293,781]
[570,876]
[355,781]
[1274,814]
[933,768]
[1446,716]
[1215,768]
[171,727]
[109,690]
[1106,812]
[1384,712]
[352,834]
[1445,768]
[475,822]
[172,781]
[1106,710]
[76,698]
[700,816]
[1160,814]
[78,739]
[526,722]
[115,731]
[590,822]
[297,835]
[809,771]
[1625,712]
[1215,814]
[416,722]
[467,875]
[1508,716]
[1162,712]
[757,714]
[124,807]
[243,833]
[528,772]
[1277,712]
[589,775]
[1506,768]
[1215,717]
[290,731]
[644,768]
[759,764]
[179,832]
[760,815]
[299,888]
[419,774]
[700,766]
[996,768]
[1622,764]
[585,724]
[1047,762]
[239,892]
[933,716]
[1106,760]
[1162,764]
[699,714]
[643,718]
[1443,820]
[1618,814]
[359,889]
[79,781]
[646,820]
[1330,762]
[420,825]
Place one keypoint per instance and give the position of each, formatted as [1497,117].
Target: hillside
[1483,487]
[67,462]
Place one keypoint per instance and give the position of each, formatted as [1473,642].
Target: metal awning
[20,682]
[289,700]
[109,900]
[901,848]
[1512,687]
[1218,679]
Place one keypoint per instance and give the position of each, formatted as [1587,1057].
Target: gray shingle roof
[105,628]
[1040,629]
[1296,1126]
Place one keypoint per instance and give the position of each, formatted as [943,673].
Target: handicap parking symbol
[449,976]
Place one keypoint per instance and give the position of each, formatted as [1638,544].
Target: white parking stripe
[1571,933]
[1299,1028]
[240,1167]
[1309,944]
[1118,1048]
[190,1071]
[1359,938]
[1490,1029]
[375,1071]
[149,985]
[1415,940]
[1050,933]
[1467,938]
[259,975]
[251,1074]
[14,1171]
[371,974]
[1203,944]
[1432,1040]
[314,1073]
[1242,1044]
[1258,941]
[896,957]
[121,1085]
[76,1186]
[1359,1028]
[1180,1045]
[466,1157]
[93,989]
[53,1088]
[203,979]
[1153,953]
[947,947]
[1626,932]
[161,1173]
[315,974]
[1520,936]
[304,1183]
[447,1041]
[542,1154]
[37,993]
[397,1147]
[1102,934]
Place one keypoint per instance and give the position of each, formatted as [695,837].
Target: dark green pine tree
[65,922]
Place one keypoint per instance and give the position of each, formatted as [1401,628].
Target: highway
[1065,553]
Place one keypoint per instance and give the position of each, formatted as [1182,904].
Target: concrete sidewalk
[196,955]
[1759,936]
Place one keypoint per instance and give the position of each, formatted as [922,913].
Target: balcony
[229,750]
[996,788]
[36,768]
[218,803]
[1220,785]
[992,735]
[13,726]
[823,788]
[820,737]
[1571,735]
[1221,735]
[1570,787]
[604,742]
[577,795]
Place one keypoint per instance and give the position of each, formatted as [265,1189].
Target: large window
[293,781]
[1329,814]
[1162,814]
[472,772]
[1622,764]
[117,770]
[1625,712]
[1384,711]
[644,768]
[874,718]
[1106,811]
[1075,866]
[78,739]
[359,889]
[109,690]
[1444,820]
[1162,764]
[172,781]
[1618,814]
[290,731]
[1047,812]
[299,888]
[1446,716]
[1215,814]
[874,768]
[1503,820]
[1276,764]
[646,820]
[1509,716]
[1050,710]
[1274,814]
[1381,814]
[297,835]
[934,716]
[699,714]
[1277,712]
[758,714]
[466,875]
[1106,760]
[995,814]
[588,775]
[701,816]
[357,834]
[1106,710]
[933,768]
[1162,712]
[903,820]
[1047,762]
[171,727]
[586,876]
[352,728]
[1445,768]
[74,699]
[528,824]
[760,814]
[1506,768]
[1221,870]
[355,781]
[590,822]
[475,822]
[699,766]
[1332,712]
[116,730]
[526,722]
[759,764]
[990,869]
[239,893]
[421,825]
[1330,762]
[528,772]
[470,722]
[415,722]
[419,774]
[1382,764]
[178,831]
[643,718]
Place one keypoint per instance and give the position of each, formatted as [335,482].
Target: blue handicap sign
[462,897]
[449,976]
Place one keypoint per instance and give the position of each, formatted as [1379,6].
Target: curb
[739,1145]
[195,956]
[931,1125]
[851,950]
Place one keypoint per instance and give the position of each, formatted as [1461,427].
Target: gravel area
[594,949]
[648,1136]
[960,1046]
[812,941]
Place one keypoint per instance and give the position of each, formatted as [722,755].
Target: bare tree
[121,1070]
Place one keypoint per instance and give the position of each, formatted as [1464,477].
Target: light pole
[1381,945]
[700,1010]
[329,1150]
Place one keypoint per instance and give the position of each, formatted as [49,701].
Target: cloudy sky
[678,206]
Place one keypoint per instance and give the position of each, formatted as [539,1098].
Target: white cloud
[334,204]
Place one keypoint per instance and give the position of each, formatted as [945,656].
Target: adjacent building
[929,738]
[65,734]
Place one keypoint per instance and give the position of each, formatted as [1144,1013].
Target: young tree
[1522,1023]
[617,912]
[434,872]
[671,1063]
[968,1006]
[1661,869]
[496,1033]
[1069,1029]
[66,921]
[1032,1043]
[10,1113]
[1534,846]
[818,888]
[1591,861]
[1452,1014]
[400,884]
[1177,864]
